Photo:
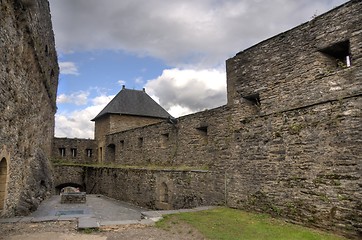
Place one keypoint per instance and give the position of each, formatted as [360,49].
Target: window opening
[140,142]
[253,99]
[74,152]
[89,152]
[164,139]
[339,53]
[202,130]
[122,143]
[62,152]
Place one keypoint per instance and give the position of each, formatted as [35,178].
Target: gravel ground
[67,230]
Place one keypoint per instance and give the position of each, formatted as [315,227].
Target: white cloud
[77,98]
[184,91]
[68,68]
[121,82]
[202,33]
[139,80]
[77,124]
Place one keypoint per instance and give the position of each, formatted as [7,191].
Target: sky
[176,50]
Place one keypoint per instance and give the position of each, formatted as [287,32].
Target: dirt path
[65,230]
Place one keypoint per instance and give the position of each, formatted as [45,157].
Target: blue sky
[175,49]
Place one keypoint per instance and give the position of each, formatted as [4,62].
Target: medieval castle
[288,141]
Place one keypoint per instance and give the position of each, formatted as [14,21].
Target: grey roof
[133,102]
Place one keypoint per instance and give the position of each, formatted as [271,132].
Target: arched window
[3,181]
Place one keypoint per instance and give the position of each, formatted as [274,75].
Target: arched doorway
[164,193]
[3,182]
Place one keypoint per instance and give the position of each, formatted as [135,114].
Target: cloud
[77,98]
[77,124]
[184,91]
[68,68]
[121,82]
[202,33]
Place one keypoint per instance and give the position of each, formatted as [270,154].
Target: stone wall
[153,189]
[74,150]
[302,164]
[28,86]
[198,140]
[113,123]
[303,66]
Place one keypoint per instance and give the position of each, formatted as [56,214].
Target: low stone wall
[153,189]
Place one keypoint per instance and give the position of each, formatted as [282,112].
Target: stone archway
[3,182]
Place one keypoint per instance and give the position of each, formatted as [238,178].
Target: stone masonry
[288,142]
[28,87]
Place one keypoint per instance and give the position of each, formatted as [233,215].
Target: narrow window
[89,152]
[62,152]
[140,142]
[122,144]
[74,152]
[101,154]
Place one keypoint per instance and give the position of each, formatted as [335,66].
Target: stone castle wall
[28,86]
[115,123]
[300,156]
[74,150]
[288,141]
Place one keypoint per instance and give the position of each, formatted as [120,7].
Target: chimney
[144,89]
[123,87]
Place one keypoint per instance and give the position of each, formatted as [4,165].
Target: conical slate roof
[133,102]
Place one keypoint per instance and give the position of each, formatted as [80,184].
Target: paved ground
[97,211]
[115,219]
[97,206]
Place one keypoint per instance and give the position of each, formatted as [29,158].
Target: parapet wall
[28,87]
[153,189]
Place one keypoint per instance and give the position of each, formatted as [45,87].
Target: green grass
[231,224]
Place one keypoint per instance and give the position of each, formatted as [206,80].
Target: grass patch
[231,224]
